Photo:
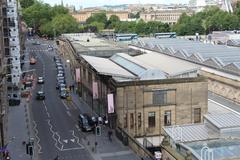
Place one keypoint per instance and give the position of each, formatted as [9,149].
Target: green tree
[26,3]
[97,17]
[58,9]
[113,21]
[64,24]
[98,25]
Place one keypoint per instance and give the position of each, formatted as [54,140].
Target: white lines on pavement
[59,140]
[226,107]
[69,114]
[38,139]
[65,105]
[76,138]
[45,107]
[53,134]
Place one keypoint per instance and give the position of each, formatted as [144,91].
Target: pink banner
[110,103]
[95,90]
[77,74]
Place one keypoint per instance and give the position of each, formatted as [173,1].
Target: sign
[157,155]
[77,75]
[110,103]
[95,90]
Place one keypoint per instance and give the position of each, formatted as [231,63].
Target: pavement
[19,127]
[105,149]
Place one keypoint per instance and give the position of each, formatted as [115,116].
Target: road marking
[69,114]
[65,141]
[38,139]
[65,105]
[70,149]
[76,138]
[72,140]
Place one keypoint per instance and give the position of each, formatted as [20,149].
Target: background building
[169,16]
[83,15]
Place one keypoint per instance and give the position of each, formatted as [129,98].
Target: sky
[93,3]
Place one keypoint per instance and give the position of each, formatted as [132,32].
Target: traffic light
[98,131]
[29,149]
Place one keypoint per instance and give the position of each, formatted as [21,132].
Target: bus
[125,37]
[165,35]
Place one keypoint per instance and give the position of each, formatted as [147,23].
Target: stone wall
[133,101]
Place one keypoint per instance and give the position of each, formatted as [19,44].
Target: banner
[95,90]
[110,103]
[77,74]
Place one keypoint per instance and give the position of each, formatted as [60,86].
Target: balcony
[11,24]
[7,52]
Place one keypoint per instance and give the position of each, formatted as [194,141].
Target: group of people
[71,87]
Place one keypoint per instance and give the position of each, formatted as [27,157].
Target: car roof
[40,92]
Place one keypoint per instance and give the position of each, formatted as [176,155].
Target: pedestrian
[110,135]
[73,87]
[70,87]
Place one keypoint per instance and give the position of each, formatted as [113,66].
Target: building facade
[14,42]
[169,16]
[83,15]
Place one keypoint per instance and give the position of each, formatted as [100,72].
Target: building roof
[216,56]
[89,44]
[167,64]
[107,67]
[189,133]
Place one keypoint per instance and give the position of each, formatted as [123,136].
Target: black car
[60,69]
[85,123]
[40,95]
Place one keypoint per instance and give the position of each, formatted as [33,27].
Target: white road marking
[65,141]
[76,138]
[65,105]
[72,140]
[69,114]
[38,139]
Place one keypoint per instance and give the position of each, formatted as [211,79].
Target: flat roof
[106,67]
[88,43]
[165,63]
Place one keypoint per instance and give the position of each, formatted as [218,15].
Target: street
[54,119]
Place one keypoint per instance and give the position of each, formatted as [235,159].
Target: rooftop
[89,44]
[216,56]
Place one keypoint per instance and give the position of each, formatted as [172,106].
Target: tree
[26,3]
[97,17]
[113,21]
[64,23]
[98,26]
[58,9]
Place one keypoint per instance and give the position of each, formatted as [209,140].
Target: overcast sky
[92,3]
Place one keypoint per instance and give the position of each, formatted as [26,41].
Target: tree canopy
[46,19]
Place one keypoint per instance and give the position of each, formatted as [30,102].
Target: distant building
[83,15]
[169,16]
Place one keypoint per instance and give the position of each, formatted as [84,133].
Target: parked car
[85,123]
[59,65]
[60,68]
[61,72]
[61,78]
[59,82]
[64,94]
[14,99]
[40,95]
[62,86]
[40,80]
[60,75]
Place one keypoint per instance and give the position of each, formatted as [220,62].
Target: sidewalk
[105,149]
[18,131]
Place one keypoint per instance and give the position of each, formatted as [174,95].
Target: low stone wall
[133,144]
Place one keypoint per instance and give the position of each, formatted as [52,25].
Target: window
[84,73]
[160,97]
[131,121]
[90,78]
[167,118]
[151,119]
[139,120]
[197,115]
[125,121]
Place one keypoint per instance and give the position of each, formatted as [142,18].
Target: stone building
[169,16]
[146,97]
[83,15]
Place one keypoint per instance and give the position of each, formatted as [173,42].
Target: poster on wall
[77,74]
[95,90]
[110,103]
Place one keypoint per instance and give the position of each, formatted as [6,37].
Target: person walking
[110,135]
[73,87]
